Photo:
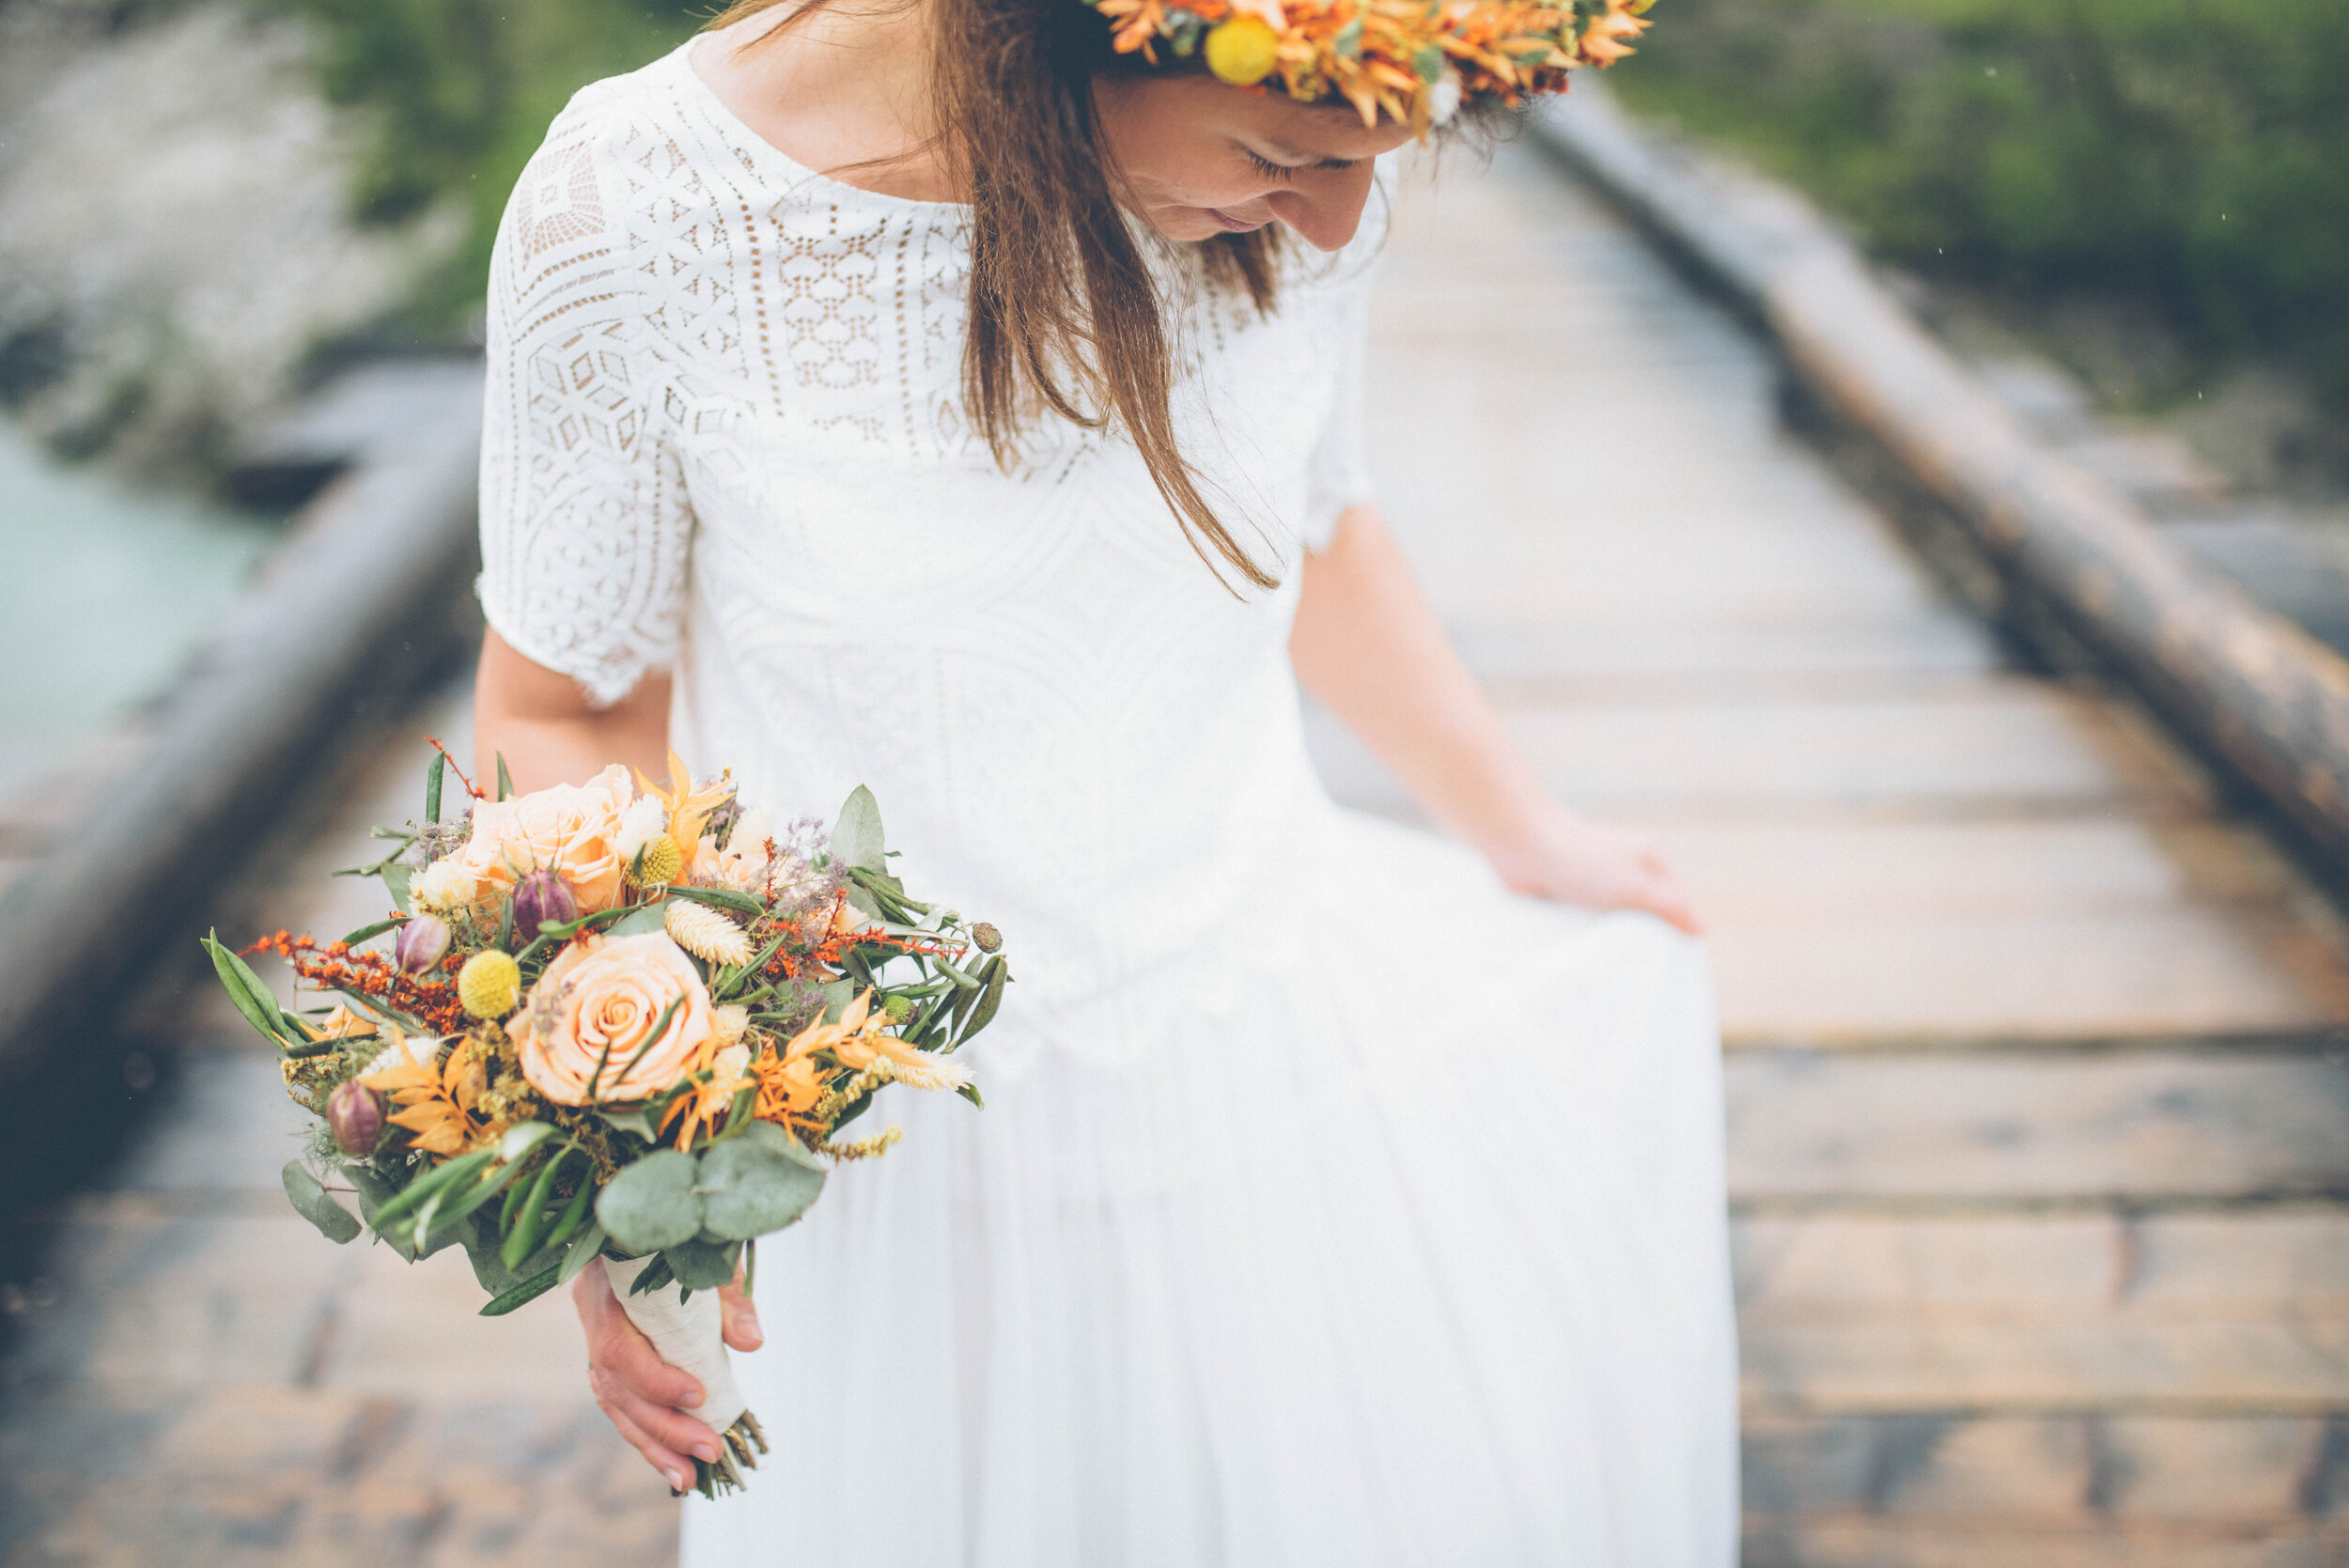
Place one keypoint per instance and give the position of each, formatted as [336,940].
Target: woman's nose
[1325,205]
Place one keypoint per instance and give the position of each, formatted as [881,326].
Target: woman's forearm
[1366,644]
[549,732]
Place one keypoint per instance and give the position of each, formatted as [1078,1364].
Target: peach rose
[590,1020]
[573,828]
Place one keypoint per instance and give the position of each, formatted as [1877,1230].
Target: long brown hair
[1064,319]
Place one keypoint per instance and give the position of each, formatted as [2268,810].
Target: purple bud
[355,1114]
[422,943]
[543,898]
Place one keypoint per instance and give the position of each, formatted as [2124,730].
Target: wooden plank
[1672,659]
[1992,747]
[1870,1543]
[2080,1469]
[2244,1311]
[1806,876]
[2132,1124]
[2248,686]
[2085,974]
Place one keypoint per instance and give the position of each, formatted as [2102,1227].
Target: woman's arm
[550,734]
[1366,644]
[548,730]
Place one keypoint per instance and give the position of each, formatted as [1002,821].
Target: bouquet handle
[688,1334]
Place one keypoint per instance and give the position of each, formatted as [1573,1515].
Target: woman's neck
[845,90]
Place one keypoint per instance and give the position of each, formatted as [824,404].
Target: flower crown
[1414,61]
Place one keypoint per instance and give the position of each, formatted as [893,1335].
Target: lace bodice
[724,436]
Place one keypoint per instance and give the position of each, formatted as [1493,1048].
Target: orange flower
[689,808]
[613,1019]
[572,829]
[437,1104]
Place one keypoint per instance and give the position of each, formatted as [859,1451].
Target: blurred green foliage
[463,90]
[2191,153]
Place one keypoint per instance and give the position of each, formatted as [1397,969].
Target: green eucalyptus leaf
[651,1204]
[700,1264]
[312,1202]
[750,1186]
[641,920]
[856,838]
[774,1140]
[837,994]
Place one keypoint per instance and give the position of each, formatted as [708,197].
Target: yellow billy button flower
[1242,51]
[490,985]
[660,863]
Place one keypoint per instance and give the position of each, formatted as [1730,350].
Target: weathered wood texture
[2254,689]
[2038,1103]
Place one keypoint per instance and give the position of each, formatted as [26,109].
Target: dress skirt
[1403,1243]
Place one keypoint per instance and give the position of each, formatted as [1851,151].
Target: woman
[1343,1196]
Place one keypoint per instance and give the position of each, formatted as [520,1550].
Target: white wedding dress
[1330,1204]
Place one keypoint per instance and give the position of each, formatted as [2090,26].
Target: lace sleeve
[585,525]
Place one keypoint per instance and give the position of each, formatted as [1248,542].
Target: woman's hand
[1597,866]
[644,1396]
[1366,644]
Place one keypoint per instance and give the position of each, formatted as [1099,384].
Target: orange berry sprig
[335,965]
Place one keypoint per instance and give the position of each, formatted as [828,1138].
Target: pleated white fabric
[1331,1205]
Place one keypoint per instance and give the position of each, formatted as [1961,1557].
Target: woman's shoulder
[640,140]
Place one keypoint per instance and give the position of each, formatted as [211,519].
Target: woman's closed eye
[1271,170]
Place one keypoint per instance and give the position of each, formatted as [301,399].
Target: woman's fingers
[677,1469]
[1665,898]
[622,1351]
[644,1396]
[742,1318]
[666,1424]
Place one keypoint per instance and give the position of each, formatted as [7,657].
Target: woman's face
[1201,158]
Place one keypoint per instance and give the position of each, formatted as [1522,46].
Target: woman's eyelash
[1267,167]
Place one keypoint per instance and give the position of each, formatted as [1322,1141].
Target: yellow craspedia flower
[490,985]
[660,863]
[1243,51]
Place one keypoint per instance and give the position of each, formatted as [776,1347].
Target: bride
[962,397]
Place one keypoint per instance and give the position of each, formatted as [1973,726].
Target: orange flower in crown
[1413,61]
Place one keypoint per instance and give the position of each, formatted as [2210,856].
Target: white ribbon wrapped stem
[690,1336]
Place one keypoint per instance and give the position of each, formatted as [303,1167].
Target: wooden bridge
[2038,1105]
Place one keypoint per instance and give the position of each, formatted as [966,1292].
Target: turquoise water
[108,588]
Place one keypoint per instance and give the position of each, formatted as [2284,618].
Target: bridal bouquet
[609,1022]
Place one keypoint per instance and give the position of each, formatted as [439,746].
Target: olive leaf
[856,838]
[397,876]
[584,1250]
[651,1204]
[757,1183]
[522,1294]
[312,1202]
